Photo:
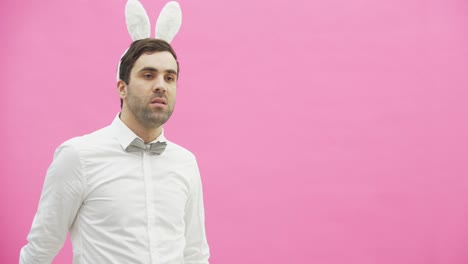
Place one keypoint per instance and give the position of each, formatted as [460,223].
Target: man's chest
[135,190]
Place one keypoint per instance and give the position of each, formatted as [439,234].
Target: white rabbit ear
[138,23]
[169,21]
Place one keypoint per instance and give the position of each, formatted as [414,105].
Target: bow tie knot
[138,145]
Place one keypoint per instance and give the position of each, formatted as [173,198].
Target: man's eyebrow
[148,69]
[171,71]
[152,69]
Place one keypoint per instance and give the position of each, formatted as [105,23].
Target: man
[125,193]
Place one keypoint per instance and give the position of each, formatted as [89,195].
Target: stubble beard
[146,116]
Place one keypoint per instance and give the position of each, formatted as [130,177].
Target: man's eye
[170,78]
[148,76]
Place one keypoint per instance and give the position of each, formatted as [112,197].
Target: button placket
[151,214]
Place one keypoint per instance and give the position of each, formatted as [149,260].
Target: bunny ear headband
[138,24]
[167,25]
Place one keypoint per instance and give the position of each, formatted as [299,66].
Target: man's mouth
[159,100]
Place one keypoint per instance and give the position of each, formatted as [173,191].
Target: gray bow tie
[138,145]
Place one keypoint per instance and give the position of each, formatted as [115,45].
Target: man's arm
[60,201]
[196,248]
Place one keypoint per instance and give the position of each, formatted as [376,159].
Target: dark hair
[137,48]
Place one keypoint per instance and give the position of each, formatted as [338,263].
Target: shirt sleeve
[61,198]
[196,250]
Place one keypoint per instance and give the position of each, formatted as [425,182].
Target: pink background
[330,131]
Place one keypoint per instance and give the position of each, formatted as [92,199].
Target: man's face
[151,91]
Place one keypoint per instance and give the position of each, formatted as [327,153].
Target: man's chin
[156,120]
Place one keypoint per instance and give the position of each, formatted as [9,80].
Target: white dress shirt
[120,206]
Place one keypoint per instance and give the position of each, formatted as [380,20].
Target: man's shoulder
[181,151]
[94,139]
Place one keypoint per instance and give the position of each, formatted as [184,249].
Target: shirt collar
[125,135]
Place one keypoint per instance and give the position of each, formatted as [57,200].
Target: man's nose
[159,85]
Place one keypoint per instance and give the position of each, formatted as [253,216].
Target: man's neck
[145,133]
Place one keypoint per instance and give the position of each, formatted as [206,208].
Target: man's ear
[122,89]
